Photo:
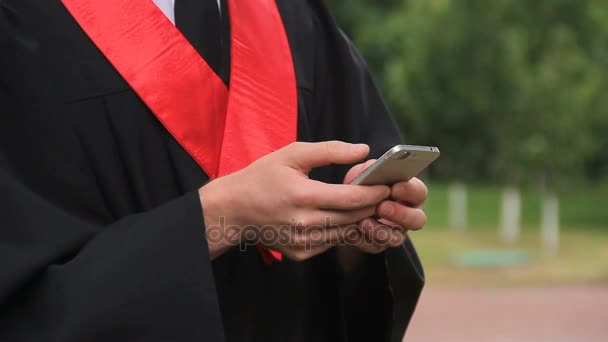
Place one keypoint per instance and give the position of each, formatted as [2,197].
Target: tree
[511,91]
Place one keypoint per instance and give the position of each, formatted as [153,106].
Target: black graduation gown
[101,229]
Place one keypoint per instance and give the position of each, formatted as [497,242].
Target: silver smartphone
[400,163]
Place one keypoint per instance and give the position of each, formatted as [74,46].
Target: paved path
[577,314]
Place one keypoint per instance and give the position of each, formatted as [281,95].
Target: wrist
[221,232]
[209,205]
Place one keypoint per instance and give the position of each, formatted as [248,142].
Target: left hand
[401,212]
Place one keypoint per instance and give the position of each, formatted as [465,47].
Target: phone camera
[402,155]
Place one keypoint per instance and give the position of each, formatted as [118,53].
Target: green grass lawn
[582,259]
[579,207]
[583,255]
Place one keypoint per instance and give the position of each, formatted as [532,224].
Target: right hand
[275,192]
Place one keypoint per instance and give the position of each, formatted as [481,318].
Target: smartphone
[400,163]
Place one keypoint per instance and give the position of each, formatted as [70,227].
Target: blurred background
[515,94]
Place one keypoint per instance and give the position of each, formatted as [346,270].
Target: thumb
[356,170]
[307,156]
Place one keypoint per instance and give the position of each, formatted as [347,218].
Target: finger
[356,170]
[350,197]
[330,218]
[399,238]
[306,244]
[362,238]
[307,156]
[325,219]
[339,196]
[383,232]
[302,245]
[324,236]
[407,217]
[360,242]
[298,237]
[370,248]
[413,192]
[302,254]
[390,224]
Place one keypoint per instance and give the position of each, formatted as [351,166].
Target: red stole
[224,130]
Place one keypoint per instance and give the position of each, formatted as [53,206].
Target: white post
[457,206]
[550,223]
[510,214]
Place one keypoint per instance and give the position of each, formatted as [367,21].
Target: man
[113,122]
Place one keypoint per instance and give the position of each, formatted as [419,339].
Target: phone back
[401,163]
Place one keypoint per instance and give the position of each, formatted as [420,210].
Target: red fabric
[223,130]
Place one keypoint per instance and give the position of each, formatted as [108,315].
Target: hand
[395,217]
[275,192]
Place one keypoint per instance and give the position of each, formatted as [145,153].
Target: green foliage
[510,90]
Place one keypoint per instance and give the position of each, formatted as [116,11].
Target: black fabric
[207,29]
[101,232]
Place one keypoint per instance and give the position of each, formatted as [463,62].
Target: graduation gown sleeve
[99,238]
[145,277]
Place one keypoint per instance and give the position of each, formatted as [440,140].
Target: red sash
[223,130]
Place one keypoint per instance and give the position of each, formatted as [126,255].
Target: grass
[582,259]
[585,207]
[583,254]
